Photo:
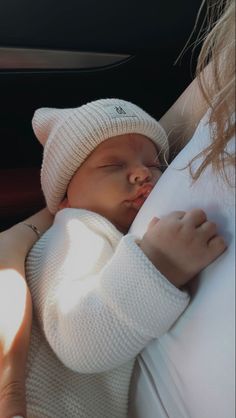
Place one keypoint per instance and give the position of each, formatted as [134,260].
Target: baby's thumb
[153,222]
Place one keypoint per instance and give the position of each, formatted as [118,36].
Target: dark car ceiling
[130,26]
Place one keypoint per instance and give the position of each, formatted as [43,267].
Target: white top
[189,372]
[99,301]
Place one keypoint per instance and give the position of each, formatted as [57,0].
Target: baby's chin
[125,224]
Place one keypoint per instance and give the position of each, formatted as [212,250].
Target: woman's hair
[217,83]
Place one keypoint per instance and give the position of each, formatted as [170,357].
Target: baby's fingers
[153,222]
[217,246]
[207,230]
[195,217]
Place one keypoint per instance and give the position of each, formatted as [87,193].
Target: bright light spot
[12,305]
[82,265]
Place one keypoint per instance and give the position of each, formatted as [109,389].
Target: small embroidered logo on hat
[120,110]
[117,111]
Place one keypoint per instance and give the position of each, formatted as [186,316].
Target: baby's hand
[181,244]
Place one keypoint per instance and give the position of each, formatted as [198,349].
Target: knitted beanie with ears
[70,135]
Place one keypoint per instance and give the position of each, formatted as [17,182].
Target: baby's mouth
[141,196]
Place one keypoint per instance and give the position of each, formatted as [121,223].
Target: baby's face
[116,179]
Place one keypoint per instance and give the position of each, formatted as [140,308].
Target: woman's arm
[15,312]
[181,120]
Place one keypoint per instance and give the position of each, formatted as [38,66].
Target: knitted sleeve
[96,313]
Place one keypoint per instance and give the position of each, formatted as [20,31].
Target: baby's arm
[97,317]
[181,244]
[99,306]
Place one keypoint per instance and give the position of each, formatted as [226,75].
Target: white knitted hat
[70,135]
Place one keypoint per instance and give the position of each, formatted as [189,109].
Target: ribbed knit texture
[70,135]
[99,301]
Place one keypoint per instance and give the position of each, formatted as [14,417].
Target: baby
[100,295]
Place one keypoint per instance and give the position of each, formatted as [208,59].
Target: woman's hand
[16,313]
[181,244]
[15,325]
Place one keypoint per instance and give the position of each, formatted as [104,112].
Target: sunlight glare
[12,305]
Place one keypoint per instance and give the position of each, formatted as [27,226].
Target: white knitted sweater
[99,301]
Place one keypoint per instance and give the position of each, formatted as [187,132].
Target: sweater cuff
[138,293]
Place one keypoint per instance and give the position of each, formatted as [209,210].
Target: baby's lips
[138,200]
[144,191]
[147,193]
[141,197]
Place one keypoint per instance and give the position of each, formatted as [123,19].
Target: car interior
[64,54]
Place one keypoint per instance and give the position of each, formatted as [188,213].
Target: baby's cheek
[158,176]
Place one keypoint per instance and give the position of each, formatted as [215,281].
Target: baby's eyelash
[154,165]
[112,165]
[162,166]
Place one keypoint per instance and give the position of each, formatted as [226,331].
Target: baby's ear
[64,204]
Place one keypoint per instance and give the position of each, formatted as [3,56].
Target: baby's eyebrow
[110,157]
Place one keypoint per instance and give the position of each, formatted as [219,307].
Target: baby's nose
[140,174]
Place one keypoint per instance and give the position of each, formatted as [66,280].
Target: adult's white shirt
[189,372]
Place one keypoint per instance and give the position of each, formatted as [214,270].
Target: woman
[189,371]
[215,90]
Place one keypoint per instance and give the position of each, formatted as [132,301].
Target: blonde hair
[218,52]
